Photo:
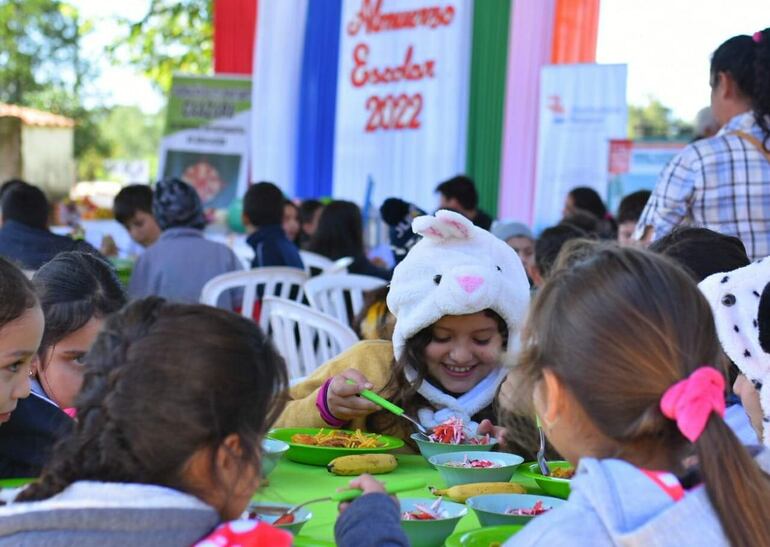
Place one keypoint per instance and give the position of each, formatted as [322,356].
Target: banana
[374,464]
[462,492]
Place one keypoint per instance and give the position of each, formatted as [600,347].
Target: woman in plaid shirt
[723,183]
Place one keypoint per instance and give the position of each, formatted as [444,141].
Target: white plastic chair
[314,261]
[327,294]
[306,338]
[274,281]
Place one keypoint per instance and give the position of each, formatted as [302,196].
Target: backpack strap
[753,140]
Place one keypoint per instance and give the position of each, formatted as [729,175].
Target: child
[743,324]
[182,261]
[21,328]
[399,215]
[459,298]
[520,238]
[309,214]
[263,213]
[77,292]
[340,234]
[290,221]
[167,440]
[133,209]
[632,417]
[547,249]
[24,237]
[629,211]
[459,194]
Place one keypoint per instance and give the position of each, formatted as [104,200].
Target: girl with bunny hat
[459,298]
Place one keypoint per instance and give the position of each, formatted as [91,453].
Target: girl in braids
[166,444]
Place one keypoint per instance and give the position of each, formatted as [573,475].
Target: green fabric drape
[486,112]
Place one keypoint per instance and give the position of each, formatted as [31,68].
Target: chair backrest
[306,338]
[314,262]
[274,281]
[341,296]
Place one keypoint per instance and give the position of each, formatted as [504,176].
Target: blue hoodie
[614,503]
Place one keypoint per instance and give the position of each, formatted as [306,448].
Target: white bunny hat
[740,301]
[456,269]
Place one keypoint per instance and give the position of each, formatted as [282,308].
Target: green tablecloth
[295,482]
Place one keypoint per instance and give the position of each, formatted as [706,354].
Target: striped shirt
[721,183]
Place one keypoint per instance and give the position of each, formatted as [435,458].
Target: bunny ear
[444,226]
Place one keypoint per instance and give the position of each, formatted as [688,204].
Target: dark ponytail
[163,381]
[747,60]
[738,489]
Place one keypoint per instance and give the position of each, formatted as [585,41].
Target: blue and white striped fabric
[721,183]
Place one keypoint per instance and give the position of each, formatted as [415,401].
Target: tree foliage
[655,121]
[174,36]
[39,51]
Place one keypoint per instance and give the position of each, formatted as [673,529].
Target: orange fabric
[575,30]
[235,25]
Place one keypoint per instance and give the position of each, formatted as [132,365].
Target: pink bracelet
[323,406]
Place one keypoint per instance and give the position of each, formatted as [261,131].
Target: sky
[666,44]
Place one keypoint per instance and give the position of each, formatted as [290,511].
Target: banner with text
[582,107]
[207,135]
[402,98]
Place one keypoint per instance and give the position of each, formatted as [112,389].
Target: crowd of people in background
[642,339]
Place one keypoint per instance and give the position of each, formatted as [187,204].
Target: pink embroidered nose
[470,283]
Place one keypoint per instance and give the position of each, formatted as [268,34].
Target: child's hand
[368,484]
[495,431]
[343,400]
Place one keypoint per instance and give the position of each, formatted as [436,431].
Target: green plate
[322,455]
[301,541]
[558,488]
[483,537]
[15,483]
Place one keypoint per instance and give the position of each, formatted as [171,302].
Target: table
[292,482]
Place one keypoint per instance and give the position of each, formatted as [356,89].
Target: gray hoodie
[614,503]
[98,513]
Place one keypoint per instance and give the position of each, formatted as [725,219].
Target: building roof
[30,116]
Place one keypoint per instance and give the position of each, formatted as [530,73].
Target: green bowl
[558,488]
[431,533]
[491,508]
[15,483]
[428,449]
[301,516]
[321,455]
[483,537]
[464,475]
[272,451]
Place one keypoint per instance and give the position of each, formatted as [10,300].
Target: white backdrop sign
[582,107]
[402,97]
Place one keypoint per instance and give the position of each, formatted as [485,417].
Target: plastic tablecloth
[295,483]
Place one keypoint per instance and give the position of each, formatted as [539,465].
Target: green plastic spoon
[390,407]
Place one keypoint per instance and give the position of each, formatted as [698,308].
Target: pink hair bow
[691,401]
[757,36]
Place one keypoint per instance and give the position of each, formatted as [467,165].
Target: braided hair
[747,60]
[163,381]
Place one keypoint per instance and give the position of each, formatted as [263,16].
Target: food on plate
[374,464]
[563,473]
[421,512]
[462,492]
[332,438]
[453,431]
[535,510]
[473,463]
[254,514]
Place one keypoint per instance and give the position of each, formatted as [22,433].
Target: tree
[174,36]
[656,121]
